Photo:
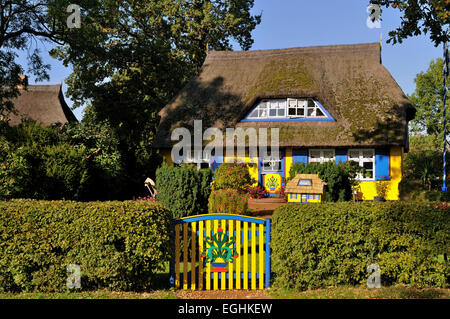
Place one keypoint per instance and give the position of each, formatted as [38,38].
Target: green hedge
[329,244]
[118,245]
[184,190]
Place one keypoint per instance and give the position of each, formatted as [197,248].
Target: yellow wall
[298,199]
[288,159]
[368,189]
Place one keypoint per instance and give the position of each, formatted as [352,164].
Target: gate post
[172,262]
[267,283]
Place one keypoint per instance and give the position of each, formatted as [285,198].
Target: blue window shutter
[300,155]
[341,155]
[382,164]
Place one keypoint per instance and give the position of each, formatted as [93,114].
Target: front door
[272,172]
[304,198]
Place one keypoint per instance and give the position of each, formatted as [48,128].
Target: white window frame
[361,160]
[284,104]
[272,159]
[321,159]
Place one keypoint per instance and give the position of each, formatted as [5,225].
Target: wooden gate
[230,251]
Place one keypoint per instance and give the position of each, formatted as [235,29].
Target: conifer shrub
[184,190]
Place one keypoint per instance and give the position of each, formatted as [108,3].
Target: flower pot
[219,267]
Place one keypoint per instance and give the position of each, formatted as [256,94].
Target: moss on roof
[348,80]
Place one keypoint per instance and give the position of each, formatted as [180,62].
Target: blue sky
[298,23]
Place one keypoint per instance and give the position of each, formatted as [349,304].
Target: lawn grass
[99,294]
[392,292]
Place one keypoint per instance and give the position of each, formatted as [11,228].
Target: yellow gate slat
[243,272]
[208,265]
[223,277]
[177,256]
[216,274]
[230,265]
[200,259]
[261,256]
[193,251]
[245,248]
[238,249]
[253,256]
[185,256]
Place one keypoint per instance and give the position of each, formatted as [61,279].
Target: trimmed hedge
[235,176]
[329,244]
[184,190]
[118,245]
[227,201]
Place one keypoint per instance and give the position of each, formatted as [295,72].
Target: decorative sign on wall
[221,250]
[272,182]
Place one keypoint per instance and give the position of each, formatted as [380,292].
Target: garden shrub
[184,190]
[118,245]
[339,177]
[227,201]
[232,176]
[330,244]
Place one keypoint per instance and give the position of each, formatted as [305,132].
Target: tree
[131,57]
[420,16]
[22,24]
[428,99]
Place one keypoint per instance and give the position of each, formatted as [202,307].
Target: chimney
[24,80]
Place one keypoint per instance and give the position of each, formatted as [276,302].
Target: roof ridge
[212,55]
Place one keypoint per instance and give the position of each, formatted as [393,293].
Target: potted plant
[382,189]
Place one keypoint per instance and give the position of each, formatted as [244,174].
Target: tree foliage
[428,98]
[131,57]
[420,16]
[22,24]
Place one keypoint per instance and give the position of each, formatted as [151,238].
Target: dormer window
[288,109]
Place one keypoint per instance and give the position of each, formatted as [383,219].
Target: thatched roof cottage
[43,103]
[330,103]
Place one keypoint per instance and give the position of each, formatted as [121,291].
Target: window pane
[262,113]
[311,112]
[273,112]
[367,154]
[301,112]
[281,112]
[328,155]
[304,182]
[319,112]
[311,103]
[254,113]
[353,154]
[368,169]
[292,111]
[273,104]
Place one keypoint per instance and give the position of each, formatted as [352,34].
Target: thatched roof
[316,187]
[42,103]
[369,107]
